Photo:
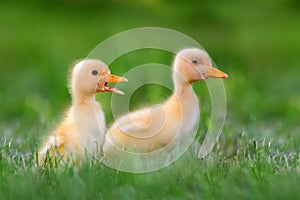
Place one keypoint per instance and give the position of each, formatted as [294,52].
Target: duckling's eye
[94,72]
[194,61]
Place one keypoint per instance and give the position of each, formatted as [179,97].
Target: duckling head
[90,76]
[193,64]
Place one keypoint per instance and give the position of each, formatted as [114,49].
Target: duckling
[152,128]
[83,126]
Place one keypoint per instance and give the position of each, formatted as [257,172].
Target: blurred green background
[256,42]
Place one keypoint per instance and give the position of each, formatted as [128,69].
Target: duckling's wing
[134,122]
[54,141]
[142,123]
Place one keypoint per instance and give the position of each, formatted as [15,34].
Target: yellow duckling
[152,128]
[83,126]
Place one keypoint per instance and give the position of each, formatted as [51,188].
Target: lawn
[256,42]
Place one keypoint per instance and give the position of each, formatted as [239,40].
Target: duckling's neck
[184,103]
[83,99]
[182,86]
[181,89]
[184,95]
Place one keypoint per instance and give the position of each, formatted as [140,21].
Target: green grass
[257,44]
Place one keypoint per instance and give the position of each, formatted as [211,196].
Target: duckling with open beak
[152,128]
[83,127]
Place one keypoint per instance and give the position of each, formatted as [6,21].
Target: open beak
[213,72]
[114,79]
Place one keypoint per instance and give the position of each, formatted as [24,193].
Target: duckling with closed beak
[152,128]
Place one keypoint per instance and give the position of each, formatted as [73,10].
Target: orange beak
[213,72]
[114,79]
